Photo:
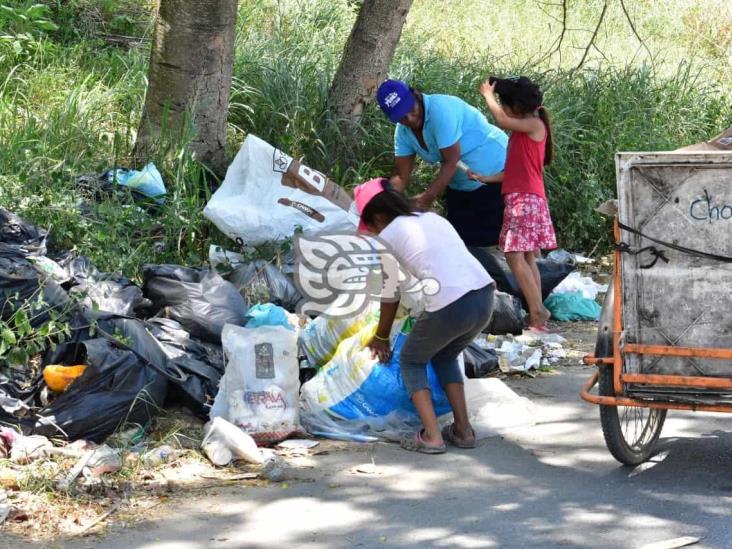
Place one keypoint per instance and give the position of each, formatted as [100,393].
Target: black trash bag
[111,292]
[203,302]
[479,362]
[118,387]
[507,315]
[551,273]
[19,238]
[176,272]
[201,362]
[21,285]
[262,282]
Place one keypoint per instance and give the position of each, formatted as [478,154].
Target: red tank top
[524,171]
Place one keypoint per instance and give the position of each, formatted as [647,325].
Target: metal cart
[665,335]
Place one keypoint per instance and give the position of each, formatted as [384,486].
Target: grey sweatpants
[441,336]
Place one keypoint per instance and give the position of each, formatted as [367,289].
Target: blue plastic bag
[267,314]
[147,181]
[572,306]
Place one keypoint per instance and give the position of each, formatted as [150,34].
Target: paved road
[551,485]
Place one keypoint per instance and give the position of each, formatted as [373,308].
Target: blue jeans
[440,336]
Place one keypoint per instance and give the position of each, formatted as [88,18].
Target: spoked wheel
[631,433]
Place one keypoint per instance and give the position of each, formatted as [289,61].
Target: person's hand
[423,201]
[474,176]
[380,349]
[487,89]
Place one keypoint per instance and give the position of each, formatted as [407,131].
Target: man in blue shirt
[445,129]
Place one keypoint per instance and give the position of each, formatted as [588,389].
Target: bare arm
[379,345]
[450,157]
[495,178]
[403,166]
[386,318]
[533,126]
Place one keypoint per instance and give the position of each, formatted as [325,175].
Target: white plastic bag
[267,194]
[224,442]
[575,282]
[259,389]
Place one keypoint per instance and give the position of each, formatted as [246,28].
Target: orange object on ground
[58,378]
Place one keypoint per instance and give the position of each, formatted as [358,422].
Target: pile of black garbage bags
[144,347]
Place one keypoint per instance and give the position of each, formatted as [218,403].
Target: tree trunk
[189,79]
[367,56]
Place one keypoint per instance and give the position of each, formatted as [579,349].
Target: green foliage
[22,337]
[23,29]
[72,106]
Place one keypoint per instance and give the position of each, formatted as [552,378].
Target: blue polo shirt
[447,120]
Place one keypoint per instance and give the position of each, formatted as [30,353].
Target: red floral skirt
[527,225]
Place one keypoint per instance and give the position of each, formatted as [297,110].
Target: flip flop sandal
[448,433]
[415,443]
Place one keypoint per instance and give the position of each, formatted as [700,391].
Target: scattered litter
[369,469]
[675,543]
[259,391]
[575,282]
[158,456]
[147,181]
[646,465]
[297,443]
[523,353]
[517,357]
[26,449]
[223,442]
[274,469]
[563,256]
[566,307]
[102,460]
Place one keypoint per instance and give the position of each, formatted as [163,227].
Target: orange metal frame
[620,378]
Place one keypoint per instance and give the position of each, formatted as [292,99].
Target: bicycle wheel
[631,433]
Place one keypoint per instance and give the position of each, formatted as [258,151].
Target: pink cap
[363,195]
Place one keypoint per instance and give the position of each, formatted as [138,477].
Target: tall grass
[71,105]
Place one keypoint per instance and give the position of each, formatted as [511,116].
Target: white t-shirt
[428,247]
